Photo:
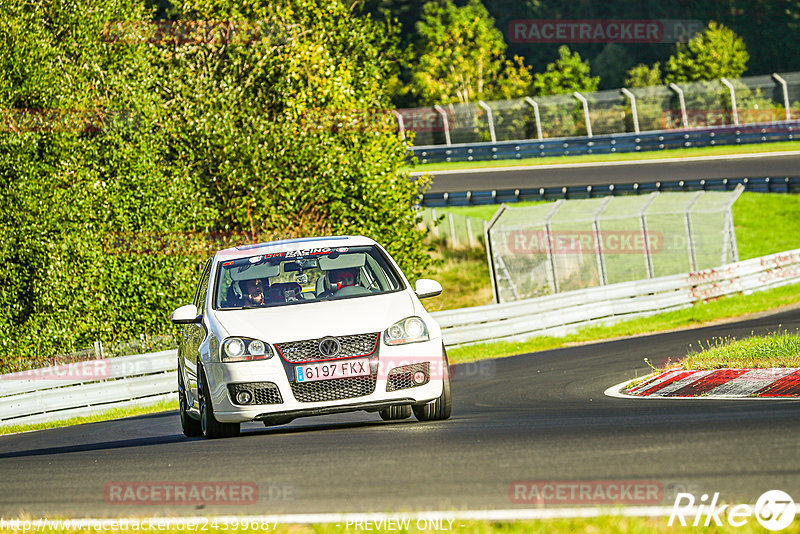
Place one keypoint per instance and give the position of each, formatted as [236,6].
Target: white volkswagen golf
[306,327]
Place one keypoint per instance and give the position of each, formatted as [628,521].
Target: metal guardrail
[610,143]
[784,184]
[563,313]
[87,387]
[93,386]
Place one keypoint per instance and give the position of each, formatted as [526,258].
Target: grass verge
[695,316]
[115,413]
[623,156]
[779,349]
[607,524]
[465,274]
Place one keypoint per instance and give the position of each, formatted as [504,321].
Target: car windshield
[302,276]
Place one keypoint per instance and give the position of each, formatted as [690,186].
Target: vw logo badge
[330,347]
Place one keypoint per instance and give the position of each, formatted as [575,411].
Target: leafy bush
[127,156]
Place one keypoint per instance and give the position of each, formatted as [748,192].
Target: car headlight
[244,349]
[409,330]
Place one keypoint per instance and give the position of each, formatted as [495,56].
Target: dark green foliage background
[769,28]
[188,147]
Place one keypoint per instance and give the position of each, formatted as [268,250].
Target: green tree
[566,75]
[461,58]
[716,53]
[612,63]
[643,76]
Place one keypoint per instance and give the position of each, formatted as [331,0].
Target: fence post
[634,113]
[489,116]
[470,238]
[549,234]
[535,107]
[731,229]
[400,123]
[689,231]
[435,225]
[678,91]
[453,240]
[648,258]
[585,104]
[445,122]
[487,227]
[786,104]
[727,83]
[601,259]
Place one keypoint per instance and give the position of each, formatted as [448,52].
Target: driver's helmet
[342,278]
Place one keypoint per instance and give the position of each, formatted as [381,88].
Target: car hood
[313,320]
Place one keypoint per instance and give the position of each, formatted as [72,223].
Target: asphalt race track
[618,172]
[539,417]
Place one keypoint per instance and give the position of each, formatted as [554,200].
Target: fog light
[419,377]
[244,397]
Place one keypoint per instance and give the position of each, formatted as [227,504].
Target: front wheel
[394,413]
[439,409]
[191,427]
[210,426]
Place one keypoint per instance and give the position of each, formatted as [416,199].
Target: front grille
[308,350]
[403,377]
[334,389]
[263,392]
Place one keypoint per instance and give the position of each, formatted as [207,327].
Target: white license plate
[329,370]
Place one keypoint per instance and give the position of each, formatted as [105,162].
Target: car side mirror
[425,287]
[186,315]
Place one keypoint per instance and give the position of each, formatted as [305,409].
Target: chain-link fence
[453,230]
[573,244]
[723,102]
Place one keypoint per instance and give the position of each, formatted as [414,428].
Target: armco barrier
[87,388]
[782,184]
[610,143]
[90,387]
[565,312]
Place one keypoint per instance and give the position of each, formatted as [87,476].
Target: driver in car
[253,292]
[342,278]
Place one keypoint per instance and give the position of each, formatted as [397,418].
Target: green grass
[115,413]
[766,223]
[464,272]
[625,156]
[779,349]
[609,524]
[697,315]
[485,212]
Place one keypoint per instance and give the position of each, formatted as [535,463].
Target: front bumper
[280,373]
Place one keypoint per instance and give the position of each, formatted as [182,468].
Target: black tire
[212,428]
[191,426]
[439,409]
[394,413]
